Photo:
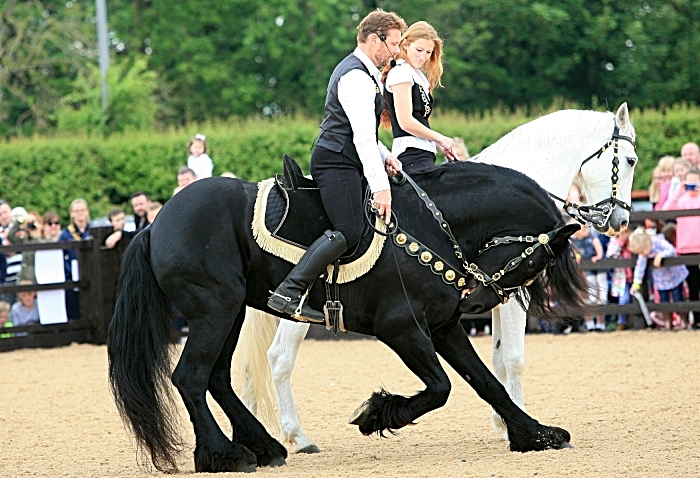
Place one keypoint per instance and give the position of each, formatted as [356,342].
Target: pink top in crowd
[664,187]
[687,228]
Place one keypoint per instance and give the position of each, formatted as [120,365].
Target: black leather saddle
[295,213]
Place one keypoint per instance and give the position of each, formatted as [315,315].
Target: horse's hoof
[279,461]
[244,468]
[565,444]
[310,449]
[360,416]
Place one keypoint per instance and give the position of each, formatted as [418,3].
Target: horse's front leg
[386,412]
[282,355]
[509,323]
[525,433]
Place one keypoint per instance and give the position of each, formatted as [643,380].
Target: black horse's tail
[139,357]
[562,289]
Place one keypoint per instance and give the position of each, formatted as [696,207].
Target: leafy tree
[43,47]
[130,102]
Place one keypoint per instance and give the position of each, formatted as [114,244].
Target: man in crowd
[140,202]
[691,153]
[77,230]
[185,176]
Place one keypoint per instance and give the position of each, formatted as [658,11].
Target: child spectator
[618,248]
[24,311]
[688,229]
[185,176]
[680,167]
[117,219]
[588,246]
[199,160]
[668,280]
[5,319]
[666,169]
[655,186]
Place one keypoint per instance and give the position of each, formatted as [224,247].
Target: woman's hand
[446,146]
[392,166]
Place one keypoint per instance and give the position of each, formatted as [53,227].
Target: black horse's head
[548,274]
[483,202]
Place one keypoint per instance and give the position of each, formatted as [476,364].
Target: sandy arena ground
[631,401]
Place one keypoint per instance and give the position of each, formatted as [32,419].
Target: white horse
[595,148]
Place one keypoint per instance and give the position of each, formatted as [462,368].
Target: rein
[599,213]
[453,275]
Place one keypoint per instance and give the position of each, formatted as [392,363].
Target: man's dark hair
[114,212]
[140,193]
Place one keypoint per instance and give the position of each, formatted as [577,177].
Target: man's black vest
[422,107]
[336,133]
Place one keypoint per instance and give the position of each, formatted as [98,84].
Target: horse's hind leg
[525,433]
[247,430]
[282,355]
[509,323]
[383,411]
[209,326]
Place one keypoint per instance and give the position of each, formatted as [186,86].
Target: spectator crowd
[19,226]
[675,186]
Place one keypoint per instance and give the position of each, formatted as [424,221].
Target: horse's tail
[251,368]
[139,357]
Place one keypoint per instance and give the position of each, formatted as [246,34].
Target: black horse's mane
[459,176]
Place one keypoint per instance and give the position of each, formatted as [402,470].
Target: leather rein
[599,213]
[453,275]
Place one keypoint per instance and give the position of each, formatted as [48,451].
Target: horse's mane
[540,133]
[456,177]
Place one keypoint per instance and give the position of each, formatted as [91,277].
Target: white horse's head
[606,178]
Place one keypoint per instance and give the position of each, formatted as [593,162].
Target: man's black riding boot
[287,297]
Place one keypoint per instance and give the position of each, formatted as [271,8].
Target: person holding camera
[27,230]
[688,229]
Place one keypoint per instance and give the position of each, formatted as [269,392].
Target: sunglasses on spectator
[53,223]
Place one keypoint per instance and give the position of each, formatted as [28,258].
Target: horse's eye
[631,160]
[530,265]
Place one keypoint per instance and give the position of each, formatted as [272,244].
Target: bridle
[599,213]
[453,275]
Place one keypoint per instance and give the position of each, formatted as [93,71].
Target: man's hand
[393,166]
[382,201]
[113,239]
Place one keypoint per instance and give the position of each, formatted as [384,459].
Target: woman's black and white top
[422,107]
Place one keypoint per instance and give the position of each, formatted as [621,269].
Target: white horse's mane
[539,134]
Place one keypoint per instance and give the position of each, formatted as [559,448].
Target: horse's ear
[623,115]
[562,236]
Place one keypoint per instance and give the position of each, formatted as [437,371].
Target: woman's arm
[403,105]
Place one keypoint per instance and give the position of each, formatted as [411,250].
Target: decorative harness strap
[452,275]
[599,213]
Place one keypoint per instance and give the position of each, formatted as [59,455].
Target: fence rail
[99,270]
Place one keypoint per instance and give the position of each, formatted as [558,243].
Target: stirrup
[333,310]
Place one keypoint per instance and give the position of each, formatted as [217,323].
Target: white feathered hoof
[499,426]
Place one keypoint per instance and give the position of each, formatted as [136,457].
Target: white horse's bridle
[599,213]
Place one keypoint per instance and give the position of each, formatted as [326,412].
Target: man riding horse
[347,150]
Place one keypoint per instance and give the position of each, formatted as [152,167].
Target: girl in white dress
[199,160]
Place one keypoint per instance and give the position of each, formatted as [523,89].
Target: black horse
[201,254]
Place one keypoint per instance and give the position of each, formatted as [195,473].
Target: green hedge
[48,173]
